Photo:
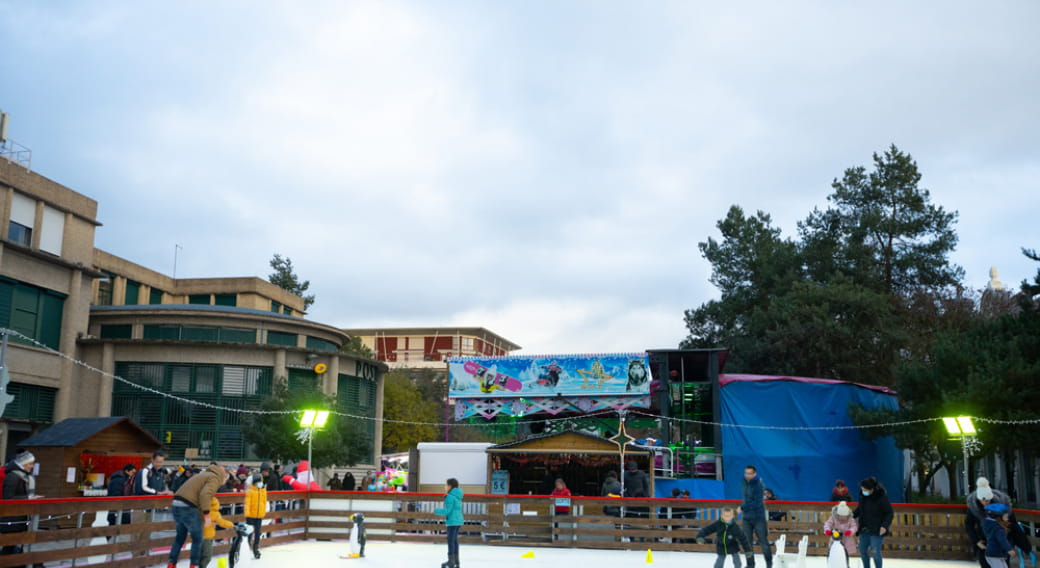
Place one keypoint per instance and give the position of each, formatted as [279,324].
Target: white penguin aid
[356,541]
[837,558]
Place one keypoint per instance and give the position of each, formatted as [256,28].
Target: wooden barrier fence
[62,530]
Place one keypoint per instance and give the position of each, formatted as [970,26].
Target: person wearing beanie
[256,509]
[841,520]
[19,483]
[998,548]
[983,496]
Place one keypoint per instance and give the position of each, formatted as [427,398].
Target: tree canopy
[836,302]
[284,276]
[343,441]
[867,293]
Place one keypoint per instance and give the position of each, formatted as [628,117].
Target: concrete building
[222,341]
[429,347]
[46,258]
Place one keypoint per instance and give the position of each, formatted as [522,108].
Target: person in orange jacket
[256,509]
[209,532]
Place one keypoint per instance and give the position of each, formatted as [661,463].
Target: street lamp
[312,420]
[963,428]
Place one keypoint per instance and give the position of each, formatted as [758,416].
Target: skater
[842,521]
[874,514]
[256,509]
[730,540]
[998,548]
[210,532]
[452,513]
[753,507]
[977,501]
[191,511]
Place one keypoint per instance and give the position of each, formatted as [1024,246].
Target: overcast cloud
[542,169]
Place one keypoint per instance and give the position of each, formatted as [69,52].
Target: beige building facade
[222,342]
[46,273]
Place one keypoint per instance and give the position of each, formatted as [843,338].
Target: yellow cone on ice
[528,554]
[649,556]
[222,563]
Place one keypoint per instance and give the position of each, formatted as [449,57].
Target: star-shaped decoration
[622,439]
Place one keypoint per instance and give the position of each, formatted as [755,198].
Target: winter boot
[447,564]
[454,561]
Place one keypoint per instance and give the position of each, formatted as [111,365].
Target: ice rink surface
[312,554]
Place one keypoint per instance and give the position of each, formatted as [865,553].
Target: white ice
[313,554]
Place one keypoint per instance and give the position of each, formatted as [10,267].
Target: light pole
[963,428]
[312,420]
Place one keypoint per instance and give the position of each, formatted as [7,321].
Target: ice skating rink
[312,554]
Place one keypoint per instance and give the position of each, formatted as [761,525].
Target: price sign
[499,482]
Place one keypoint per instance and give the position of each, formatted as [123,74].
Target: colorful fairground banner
[613,374]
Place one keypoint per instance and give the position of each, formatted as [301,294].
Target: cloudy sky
[543,169]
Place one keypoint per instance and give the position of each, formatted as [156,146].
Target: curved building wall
[224,356]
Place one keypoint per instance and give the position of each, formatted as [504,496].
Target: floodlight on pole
[311,421]
[962,427]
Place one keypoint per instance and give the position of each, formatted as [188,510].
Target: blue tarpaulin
[802,465]
[707,489]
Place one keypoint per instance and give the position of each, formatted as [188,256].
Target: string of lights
[601,413]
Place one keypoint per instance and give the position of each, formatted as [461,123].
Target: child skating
[841,520]
[730,540]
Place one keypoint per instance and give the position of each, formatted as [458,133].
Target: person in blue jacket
[753,509]
[998,548]
[452,513]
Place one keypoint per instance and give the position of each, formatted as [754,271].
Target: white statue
[994,281]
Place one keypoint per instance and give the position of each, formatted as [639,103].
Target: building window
[286,310]
[303,380]
[155,296]
[216,434]
[225,300]
[133,293]
[166,332]
[19,234]
[32,311]
[189,333]
[281,338]
[104,296]
[23,220]
[276,307]
[31,402]
[467,344]
[200,299]
[120,331]
[236,335]
[356,396]
[317,344]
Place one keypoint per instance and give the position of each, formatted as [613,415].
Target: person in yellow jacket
[256,509]
[209,531]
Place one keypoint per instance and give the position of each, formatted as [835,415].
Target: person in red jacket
[562,495]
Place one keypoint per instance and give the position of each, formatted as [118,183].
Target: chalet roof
[73,431]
